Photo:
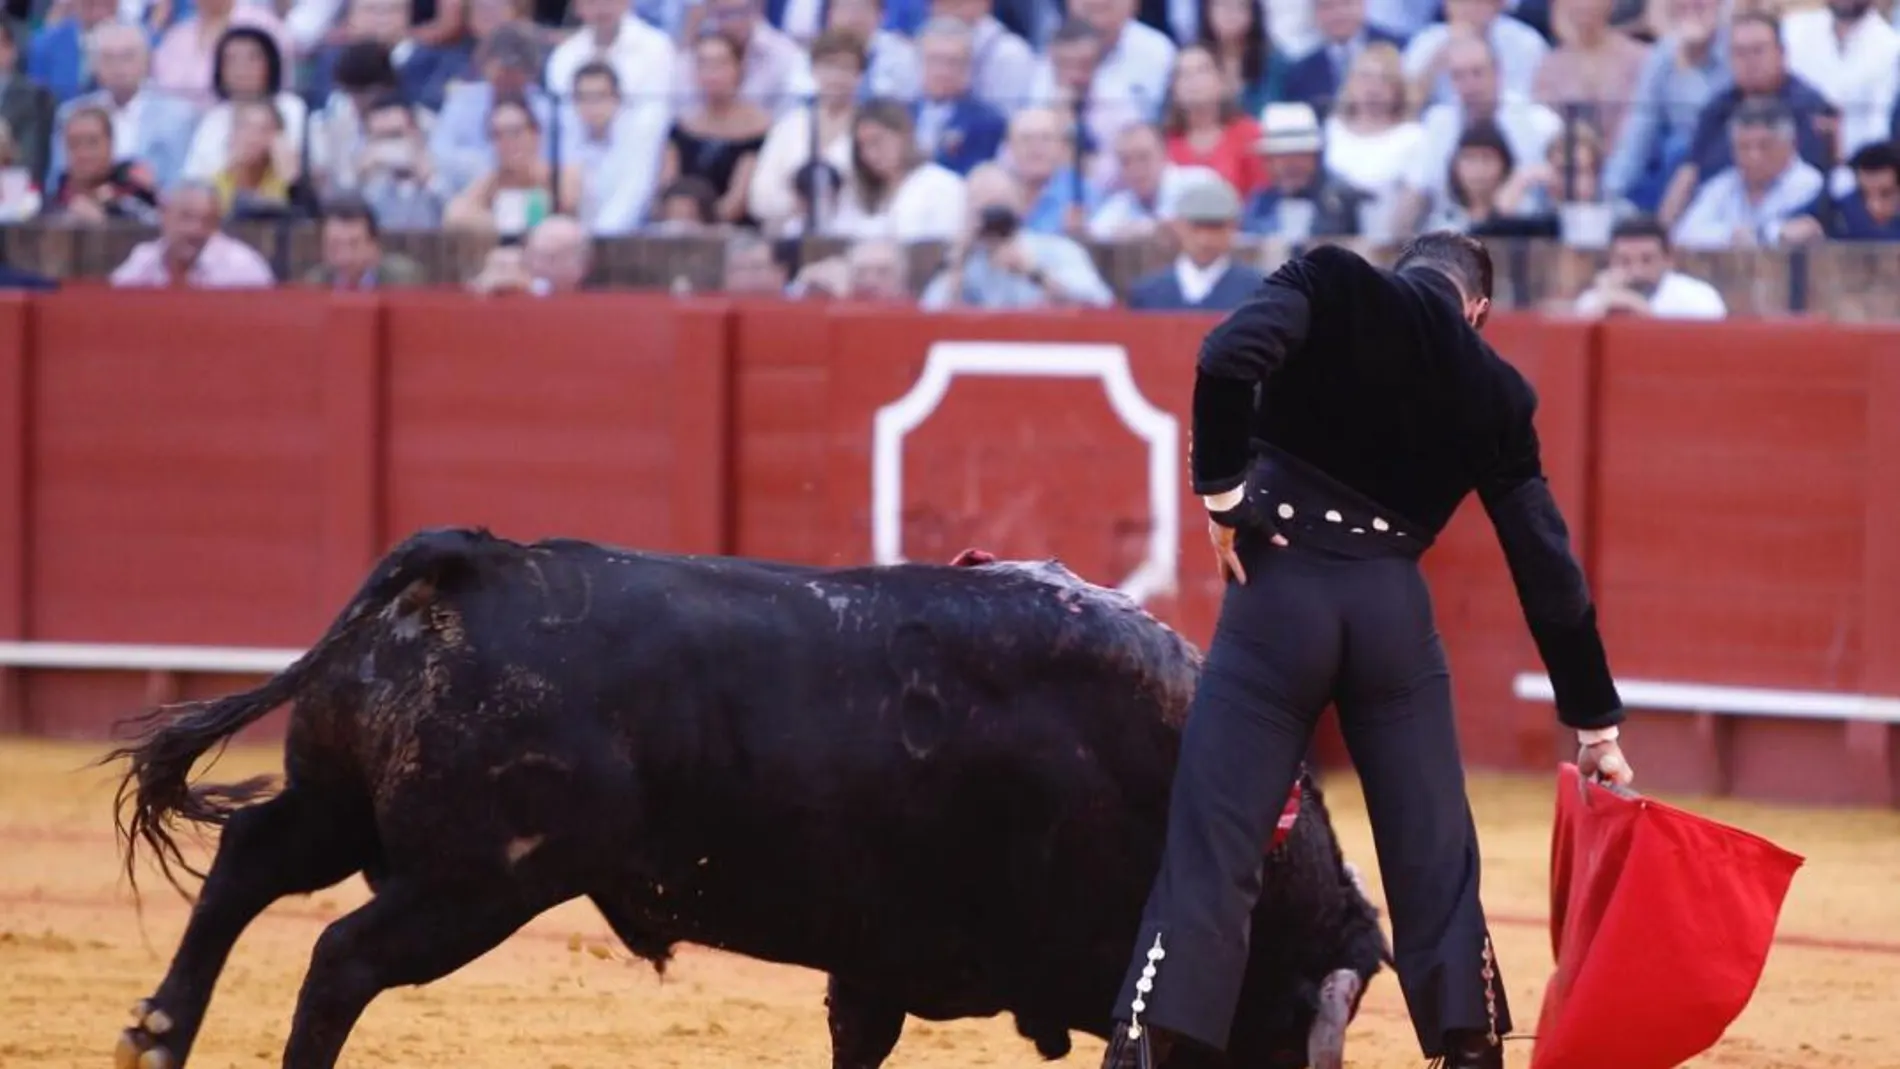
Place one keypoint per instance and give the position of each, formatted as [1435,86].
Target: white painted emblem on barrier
[1109,363]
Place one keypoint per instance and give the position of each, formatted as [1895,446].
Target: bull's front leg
[1338,1004]
[864,1025]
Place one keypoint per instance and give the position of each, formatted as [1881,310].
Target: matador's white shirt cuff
[1223,501]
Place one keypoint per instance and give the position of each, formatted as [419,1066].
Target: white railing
[1733,701]
[116,657]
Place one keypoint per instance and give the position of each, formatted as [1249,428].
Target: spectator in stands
[751,269]
[1684,69]
[421,71]
[816,192]
[1206,127]
[554,258]
[775,72]
[184,59]
[1319,78]
[1203,277]
[1002,66]
[999,263]
[189,250]
[954,127]
[1568,173]
[873,270]
[1058,199]
[617,146]
[1293,27]
[394,173]
[1527,127]
[1759,68]
[558,255]
[1479,170]
[686,205]
[259,175]
[504,271]
[361,75]
[20,196]
[892,190]
[509,61]
[641,57]
[353,253]
[718,135]
[97,187]
[1137,60]
[1516,51]
[1302,198]
[1148,186]
[1850,53]
[515,195]
[1642,280]
[890,59]
[1064,82]
[147,125]
[1371,142]
[1588,77]
[878,270]
[1234,33]
[26,105]
[247,69]
[837,64]
[1070,81]
[1768,184]
[56,56]
[1870,213]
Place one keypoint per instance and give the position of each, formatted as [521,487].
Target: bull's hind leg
[864,1025]
[408,934]
[296,843]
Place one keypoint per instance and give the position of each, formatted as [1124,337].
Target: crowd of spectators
[1013,131]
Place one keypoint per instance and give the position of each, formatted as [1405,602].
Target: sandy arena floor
[73,958]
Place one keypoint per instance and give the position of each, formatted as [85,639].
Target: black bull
[946,787]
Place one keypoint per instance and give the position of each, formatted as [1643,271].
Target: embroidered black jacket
[1375,378]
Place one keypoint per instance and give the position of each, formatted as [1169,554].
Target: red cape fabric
[1660,922]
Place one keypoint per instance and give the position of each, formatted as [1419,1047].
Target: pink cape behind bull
[1660,922]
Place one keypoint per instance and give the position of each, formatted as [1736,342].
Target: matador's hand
[1223,529]
[1603,759]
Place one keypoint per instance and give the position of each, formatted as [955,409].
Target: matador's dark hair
[1461,256]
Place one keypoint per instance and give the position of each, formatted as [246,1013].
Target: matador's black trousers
[1342,614]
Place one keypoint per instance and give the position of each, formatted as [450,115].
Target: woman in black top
[719,140]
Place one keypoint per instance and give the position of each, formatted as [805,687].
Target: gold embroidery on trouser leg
[1143,986]
[1490,975]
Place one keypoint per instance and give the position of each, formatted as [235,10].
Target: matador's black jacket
[1323,364]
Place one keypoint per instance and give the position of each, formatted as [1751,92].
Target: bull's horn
[1326,1043]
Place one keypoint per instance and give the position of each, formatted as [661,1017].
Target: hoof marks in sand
[138,1045]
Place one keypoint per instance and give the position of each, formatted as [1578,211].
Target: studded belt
[1318,512]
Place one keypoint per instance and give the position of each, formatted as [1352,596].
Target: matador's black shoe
[1470,1050]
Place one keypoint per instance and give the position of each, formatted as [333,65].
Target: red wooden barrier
[217,468]
[1750,508]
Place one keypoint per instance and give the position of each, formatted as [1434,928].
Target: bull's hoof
[139,1046]
[1338,999]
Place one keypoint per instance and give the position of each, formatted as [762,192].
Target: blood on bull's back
[946,787]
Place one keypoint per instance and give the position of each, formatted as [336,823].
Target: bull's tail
[156,791]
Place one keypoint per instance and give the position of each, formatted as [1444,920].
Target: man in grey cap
[509,60]
[1204,276]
